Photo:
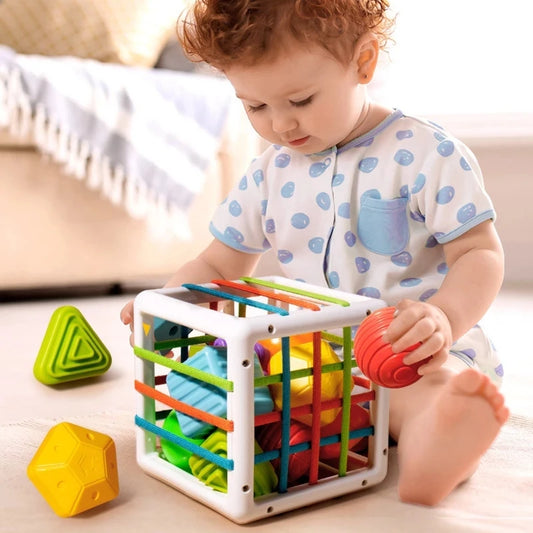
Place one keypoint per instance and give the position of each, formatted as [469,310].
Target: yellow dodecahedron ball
[301,357]
[75,469]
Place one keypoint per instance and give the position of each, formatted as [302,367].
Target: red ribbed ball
[375,357]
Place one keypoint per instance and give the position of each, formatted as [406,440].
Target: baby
[356,196]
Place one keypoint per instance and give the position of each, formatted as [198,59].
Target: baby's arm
[215,261]
[475,274]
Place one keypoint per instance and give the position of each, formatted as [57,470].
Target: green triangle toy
[70,349]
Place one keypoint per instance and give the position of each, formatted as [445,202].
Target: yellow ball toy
[301,357]
[75,469]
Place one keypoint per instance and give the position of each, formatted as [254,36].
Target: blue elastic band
[227,464]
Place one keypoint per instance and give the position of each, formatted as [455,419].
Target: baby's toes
[502,413]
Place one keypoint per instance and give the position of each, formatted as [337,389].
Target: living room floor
[28,409]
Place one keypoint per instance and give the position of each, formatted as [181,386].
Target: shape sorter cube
[269,311]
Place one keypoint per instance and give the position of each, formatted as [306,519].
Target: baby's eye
[302,103]
[254,108]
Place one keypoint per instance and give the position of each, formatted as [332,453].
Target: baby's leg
[443,423]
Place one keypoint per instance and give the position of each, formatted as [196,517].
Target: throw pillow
[131,32]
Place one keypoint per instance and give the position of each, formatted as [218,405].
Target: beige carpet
[499,497]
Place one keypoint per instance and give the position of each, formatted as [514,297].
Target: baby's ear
[366,56]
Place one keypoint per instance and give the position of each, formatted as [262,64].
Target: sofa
[146,209]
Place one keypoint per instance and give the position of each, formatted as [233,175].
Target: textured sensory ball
[375,357]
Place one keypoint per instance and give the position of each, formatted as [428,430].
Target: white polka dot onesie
[370,217]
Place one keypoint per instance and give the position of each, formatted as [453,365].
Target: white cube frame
[195,308]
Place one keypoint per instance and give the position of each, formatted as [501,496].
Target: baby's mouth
[300,141]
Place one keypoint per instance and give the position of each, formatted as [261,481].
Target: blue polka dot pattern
[418,217]
[338,179]
[404,134]
[404,157]
[362,264]
[446,148]
[334,280]
[426,295]
[370,292]
[403,259]
[300,220]
[264,204]
[243,184]
[344,210]
[466,213]
[270,226]
[410,282]
[323,201]
[445,195]
[235,208]
[288,189]
[284,256]
[258,176]
[420,181]
[318,168]
[233,235]
[350,239]
[442,268]
[470,353]
[431,242]
[282,160]
[464,164]
[316,245]
[368,164]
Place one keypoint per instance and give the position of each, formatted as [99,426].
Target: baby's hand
[420,322]
[126,315]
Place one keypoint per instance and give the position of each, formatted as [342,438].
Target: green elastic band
[286,288]
[219,382]
[347,385]
[179,343]
[301,373]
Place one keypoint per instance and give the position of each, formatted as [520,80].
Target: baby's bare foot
[442,446]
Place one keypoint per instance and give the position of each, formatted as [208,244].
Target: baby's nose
[283,123]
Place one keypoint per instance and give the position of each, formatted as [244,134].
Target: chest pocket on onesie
[382,226]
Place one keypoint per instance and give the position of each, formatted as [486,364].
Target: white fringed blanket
[143,137]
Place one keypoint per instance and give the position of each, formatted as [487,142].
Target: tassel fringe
[86,163]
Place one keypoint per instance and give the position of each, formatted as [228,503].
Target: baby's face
[304,99]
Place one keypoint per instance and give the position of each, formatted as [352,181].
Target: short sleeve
[238,220]
[448,194]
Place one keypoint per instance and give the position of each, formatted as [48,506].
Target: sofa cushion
[131,32]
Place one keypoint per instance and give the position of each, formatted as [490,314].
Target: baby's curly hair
[226,32]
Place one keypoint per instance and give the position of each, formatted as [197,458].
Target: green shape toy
[174,453]
[216,477]
[70,349]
